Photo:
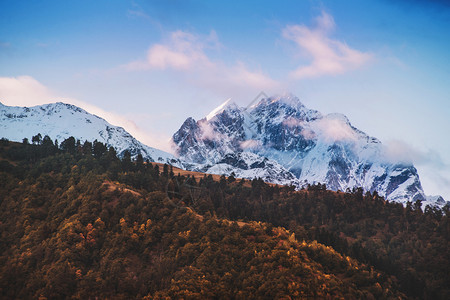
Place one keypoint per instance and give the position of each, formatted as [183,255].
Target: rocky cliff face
[282,141]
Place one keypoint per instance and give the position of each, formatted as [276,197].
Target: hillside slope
[79,224]
[68,231]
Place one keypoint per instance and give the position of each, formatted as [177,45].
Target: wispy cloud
[208,132]
[334,128]
[293,122]
[400,151]
[328,56]
[137,12]
[250,144]
[433,169]
[183,51]
[193,57]
[331,128]
[27,91]
[187,54]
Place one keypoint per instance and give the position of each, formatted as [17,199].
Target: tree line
[77,221]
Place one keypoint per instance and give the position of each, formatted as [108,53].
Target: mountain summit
[304,146]
[61,120]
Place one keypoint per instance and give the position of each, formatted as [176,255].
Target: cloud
[328,56]
[308,134]
[400,151]
[137,13]
[293,122]
[27,91]
[208,133]
[186,54]
[434,171]
[23,90]
[250,144]
[435,182]
[193,57]
[332,128]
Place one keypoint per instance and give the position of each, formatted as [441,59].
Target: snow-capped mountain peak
[284,99]
[61,120]
[228,104]
[306,147]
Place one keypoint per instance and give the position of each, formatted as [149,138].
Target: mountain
[435,200]
[60,121]
[282,141]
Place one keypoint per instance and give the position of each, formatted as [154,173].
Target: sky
[148,65]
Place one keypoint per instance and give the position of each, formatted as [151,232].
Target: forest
[77,221]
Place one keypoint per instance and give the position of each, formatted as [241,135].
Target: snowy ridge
[249,166]
[218,110]
[282,141]
[60,121]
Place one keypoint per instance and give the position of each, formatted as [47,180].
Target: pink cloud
[187,54]
[293,122]
[335,130]
[208,132]
[250,144]
[328,56]
[23,90]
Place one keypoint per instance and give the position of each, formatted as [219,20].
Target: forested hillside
[78,222]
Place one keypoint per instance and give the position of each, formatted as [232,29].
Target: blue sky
[148,65]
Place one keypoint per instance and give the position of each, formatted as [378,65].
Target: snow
[271,172]
[60,121]
[435,201]
[218,110]
[287,99]
[316,148]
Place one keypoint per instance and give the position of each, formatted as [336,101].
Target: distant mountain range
[277,139]
[60,121]
[282,141]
